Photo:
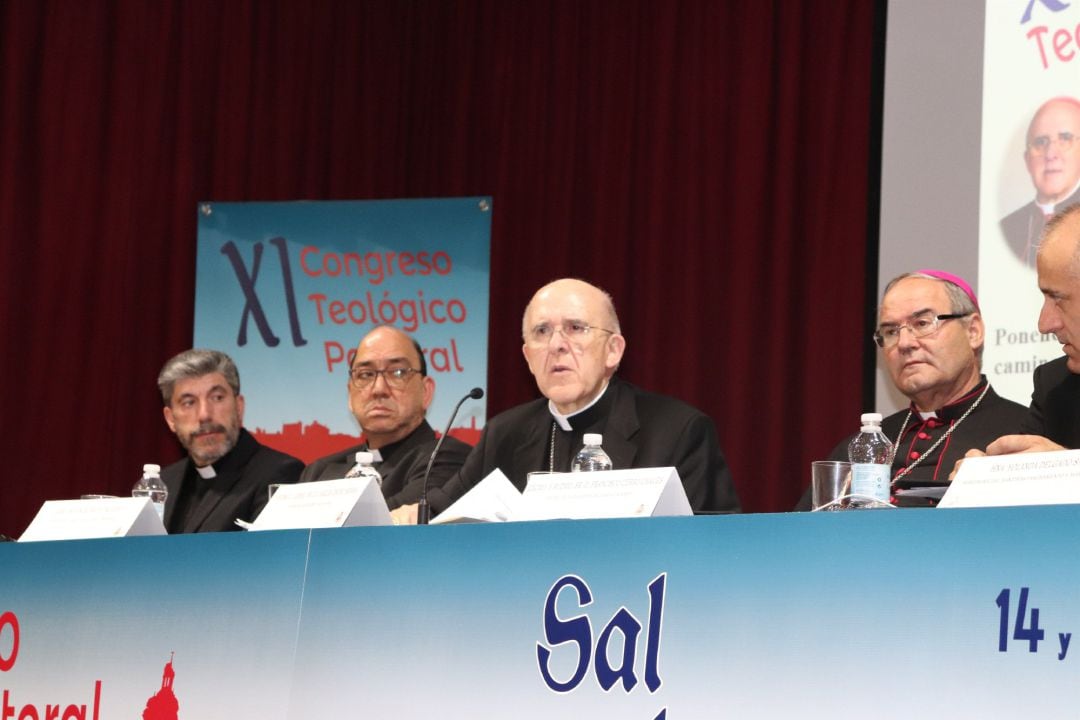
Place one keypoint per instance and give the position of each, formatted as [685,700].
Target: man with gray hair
[226,473]
[931,334]
[1053,421]
[1052,158]
[573,345]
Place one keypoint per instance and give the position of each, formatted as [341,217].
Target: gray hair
[607,305]
[1060,100]
[1054,224]
[959,302]
[196,363]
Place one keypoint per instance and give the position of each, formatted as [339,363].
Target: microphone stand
[423,510]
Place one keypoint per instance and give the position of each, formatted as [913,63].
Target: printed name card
[327,503]
[99,518]
[1048,478]
[640,492]
[493,499]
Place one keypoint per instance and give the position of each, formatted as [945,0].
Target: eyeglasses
[575,331]
[1040,145]
[920,325]
[395,377]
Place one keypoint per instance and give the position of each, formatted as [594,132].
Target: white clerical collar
[206,473]
[1048,208]
[564,420]
[927,415]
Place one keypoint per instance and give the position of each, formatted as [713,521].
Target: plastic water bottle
[871,456]
[150,485]
[592,456]
[363,468]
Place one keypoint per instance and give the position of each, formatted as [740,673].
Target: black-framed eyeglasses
[1040,144]
[920,325]
[576,331]
[396,378]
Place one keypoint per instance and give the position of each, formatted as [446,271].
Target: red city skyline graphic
[163,705]
[310,442]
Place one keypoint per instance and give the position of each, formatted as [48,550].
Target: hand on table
[956,466]
[1009,444]
[404,515]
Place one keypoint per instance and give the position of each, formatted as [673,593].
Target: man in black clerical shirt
[573,345]
[226,472]
[931,334]
[389,393]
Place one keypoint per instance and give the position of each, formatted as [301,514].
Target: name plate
[493,499]
[1047,478]
[327,503]
[640,492]
[100,518]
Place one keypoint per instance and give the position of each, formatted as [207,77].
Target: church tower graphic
[163,705]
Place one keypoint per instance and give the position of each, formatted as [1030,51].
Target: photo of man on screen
[1052,158]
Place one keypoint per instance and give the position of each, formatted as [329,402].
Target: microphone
[423,510]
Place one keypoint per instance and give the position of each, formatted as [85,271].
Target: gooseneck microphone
[423,510]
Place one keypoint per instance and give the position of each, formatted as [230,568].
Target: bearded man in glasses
[1052,157]
[389,394]
[573,346]
[931,336]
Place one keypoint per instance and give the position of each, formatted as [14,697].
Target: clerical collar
[564,420]
[376,456]
[231,460]
[1048,208]
[957,408]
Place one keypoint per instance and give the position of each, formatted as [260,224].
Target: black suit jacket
[1023,228]
[641,430]
[402,467]
[238,491]
[1055,404]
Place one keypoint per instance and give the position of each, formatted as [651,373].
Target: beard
[204,453]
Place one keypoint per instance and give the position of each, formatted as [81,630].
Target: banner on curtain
[288,289]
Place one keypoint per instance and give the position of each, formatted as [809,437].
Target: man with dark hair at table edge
[389,394]
[573,346]
[226,473]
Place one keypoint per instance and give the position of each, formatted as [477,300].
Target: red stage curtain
[705,161]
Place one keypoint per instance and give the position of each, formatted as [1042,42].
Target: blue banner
[885,614]
[288,289]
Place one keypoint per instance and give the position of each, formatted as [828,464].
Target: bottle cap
[593,439]
[364,458]
[870,418]
[151,469]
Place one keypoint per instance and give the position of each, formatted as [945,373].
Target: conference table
[878,613]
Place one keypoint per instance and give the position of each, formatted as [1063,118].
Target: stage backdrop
[288,289]
[1031,57]
[963,81]
[705,162]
